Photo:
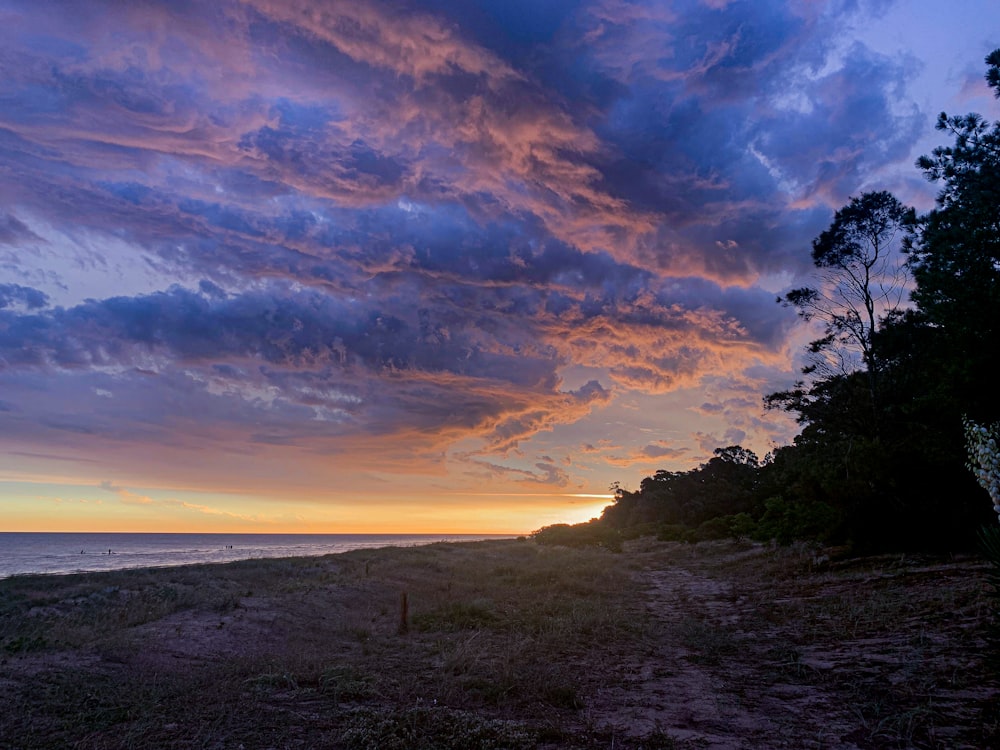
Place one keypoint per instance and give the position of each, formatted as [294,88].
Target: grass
[902,641]
[508,644]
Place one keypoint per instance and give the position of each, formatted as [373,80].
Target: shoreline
[168,549]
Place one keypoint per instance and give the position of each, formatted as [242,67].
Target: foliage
[955,256]
[722,486]
[984,457]
[861,279]
[784,521]
[590,534]
[891,461]
[983,445]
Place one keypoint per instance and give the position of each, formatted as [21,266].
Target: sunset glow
[306,266]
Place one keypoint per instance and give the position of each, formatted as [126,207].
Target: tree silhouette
[861,280]
[955,255]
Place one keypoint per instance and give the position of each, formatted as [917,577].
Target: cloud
[303,367]
[649,185]
[650,454]
[13,231]
[386,236]
[12,295]
[126,496]
[542,473]
[709,442]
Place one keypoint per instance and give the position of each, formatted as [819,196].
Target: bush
[742,526]
[714,528]
[785,521]
[673,532]
[590,534]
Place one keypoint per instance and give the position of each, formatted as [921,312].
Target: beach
[85,552]
[506,644]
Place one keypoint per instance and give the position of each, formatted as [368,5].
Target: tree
[993,71]
[955,255]
[724,486]
[861,280]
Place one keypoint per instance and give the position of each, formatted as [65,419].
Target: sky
[440,266]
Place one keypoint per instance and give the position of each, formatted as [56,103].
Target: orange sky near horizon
[68,507]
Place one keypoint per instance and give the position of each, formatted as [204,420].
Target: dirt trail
[740,663]
[671,692]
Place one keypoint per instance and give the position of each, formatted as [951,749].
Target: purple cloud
[426,231]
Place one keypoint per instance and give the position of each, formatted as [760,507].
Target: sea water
[42,552]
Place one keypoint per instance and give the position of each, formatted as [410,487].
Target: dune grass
[109,659]
[504,644]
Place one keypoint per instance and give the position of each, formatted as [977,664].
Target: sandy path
[701,682]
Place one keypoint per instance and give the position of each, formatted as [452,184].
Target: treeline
[880,462]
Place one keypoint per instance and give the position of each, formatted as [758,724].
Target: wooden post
[404,613]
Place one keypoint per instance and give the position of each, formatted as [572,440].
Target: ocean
[40,552]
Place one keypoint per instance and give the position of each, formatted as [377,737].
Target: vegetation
[880,462]
[511,645]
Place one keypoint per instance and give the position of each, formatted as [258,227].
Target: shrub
[784,521]
[673,532]
[742,526]
[713,528]
[590,534]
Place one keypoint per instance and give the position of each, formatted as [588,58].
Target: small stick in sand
[404,624]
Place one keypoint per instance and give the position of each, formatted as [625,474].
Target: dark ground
[507,644]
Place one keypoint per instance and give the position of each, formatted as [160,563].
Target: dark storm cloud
[850,128]
[733,130]
[311,220]
[325,366]
[280,327]
[15,294]
[13,231]
[675,146]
